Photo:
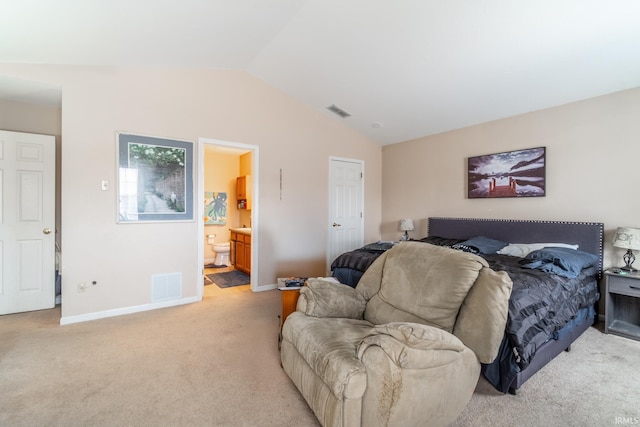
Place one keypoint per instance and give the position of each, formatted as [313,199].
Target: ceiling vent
[339,111]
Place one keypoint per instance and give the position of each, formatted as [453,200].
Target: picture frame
[518,173]
[155,179]
[215,208]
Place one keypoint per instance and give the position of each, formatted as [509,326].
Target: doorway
[346,202]
[231,160]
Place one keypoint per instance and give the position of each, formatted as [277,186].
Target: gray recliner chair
[404,347]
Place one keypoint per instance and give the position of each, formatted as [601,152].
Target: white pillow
[523,249]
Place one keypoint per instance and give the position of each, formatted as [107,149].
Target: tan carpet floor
[216,363]
[213,363]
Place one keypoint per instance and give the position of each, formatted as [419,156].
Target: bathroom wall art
[215,208]
[155,179]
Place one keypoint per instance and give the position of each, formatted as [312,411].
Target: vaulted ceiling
[402,69]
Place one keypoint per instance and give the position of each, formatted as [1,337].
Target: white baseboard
[126,310]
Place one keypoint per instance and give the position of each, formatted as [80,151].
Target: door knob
[337,225]
[47,231]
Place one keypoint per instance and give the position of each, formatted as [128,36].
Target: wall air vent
[339,111]
[166,287]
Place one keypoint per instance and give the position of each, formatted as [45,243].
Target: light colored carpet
[592,385]
[213,363]
[216,363]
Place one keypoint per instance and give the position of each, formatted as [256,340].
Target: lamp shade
[627,238]
[406,224]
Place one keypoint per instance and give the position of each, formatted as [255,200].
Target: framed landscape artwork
[518,173]
[155,179]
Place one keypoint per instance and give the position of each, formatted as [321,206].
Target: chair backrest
[422,283]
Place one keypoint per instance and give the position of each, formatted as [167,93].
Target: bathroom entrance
[228,205]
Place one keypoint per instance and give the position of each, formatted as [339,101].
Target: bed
[547,311]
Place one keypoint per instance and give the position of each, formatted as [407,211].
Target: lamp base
[628,259]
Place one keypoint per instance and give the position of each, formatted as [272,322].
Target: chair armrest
[324,298]
[414,345]
[416,374]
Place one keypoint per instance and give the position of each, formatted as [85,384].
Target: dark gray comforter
[359,260]
[541,303]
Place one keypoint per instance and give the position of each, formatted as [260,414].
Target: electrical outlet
[82,287]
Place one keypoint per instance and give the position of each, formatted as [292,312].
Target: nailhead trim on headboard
[588,235]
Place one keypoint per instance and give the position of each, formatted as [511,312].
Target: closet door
[27,222]
[346,201]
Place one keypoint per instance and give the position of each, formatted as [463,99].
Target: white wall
[593,149]
[188,104]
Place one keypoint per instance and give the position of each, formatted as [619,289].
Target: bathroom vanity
[241,246]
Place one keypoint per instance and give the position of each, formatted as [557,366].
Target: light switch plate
[105,185]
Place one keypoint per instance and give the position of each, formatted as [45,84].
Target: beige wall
[188,104]
[591,145]
[30,118]
[592,175]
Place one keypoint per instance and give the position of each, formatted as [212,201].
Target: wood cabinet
[242,251]
[243,191]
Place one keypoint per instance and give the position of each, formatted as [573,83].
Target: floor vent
[339,111]
[166,287]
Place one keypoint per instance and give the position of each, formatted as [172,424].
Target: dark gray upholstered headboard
[588,235]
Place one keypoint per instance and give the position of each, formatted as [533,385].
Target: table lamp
[629,239]
[406,225]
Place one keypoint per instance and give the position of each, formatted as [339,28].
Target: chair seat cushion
[332,356]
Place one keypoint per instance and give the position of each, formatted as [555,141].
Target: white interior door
[346,200]
[27,222]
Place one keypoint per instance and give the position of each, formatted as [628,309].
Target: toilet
[221,249]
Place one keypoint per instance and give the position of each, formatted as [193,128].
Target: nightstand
[289,301]
[290,296]
[622,304]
